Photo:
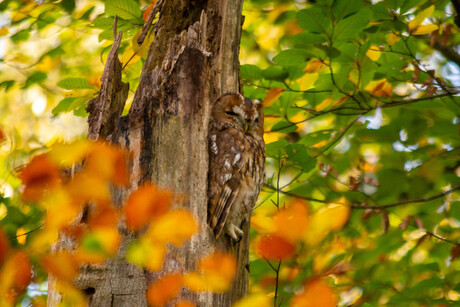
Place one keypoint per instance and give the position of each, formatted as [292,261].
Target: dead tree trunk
[192,60]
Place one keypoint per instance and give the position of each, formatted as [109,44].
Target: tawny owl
[236,162]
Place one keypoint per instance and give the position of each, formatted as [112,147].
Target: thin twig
[148,22]
[26,233]
[407,201]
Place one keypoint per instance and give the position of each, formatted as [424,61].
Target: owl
[236,162]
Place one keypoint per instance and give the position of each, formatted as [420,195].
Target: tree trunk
[192,61]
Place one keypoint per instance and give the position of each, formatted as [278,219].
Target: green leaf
[68,5]
[455,210]
[284,126]
[74,83]
[126,9]
[276,149]
[298,153]
[7,84]
[316,137]
[251,72]
[81,112]
[352,26]
[277,73]
[36,77]
[315,19]
[20,36]
[292,57]
[343,8]
[63,105]
[307,39]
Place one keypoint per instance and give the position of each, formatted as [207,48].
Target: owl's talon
[234,232]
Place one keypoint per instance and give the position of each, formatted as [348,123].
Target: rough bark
[192,61]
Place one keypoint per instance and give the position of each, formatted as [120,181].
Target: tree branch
[407,201]
[449,52]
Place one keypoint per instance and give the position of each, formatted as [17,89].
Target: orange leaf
[381,88]
[184,304]
[4,246]
[2,135]
[174,227]
[272,96]
[316,293]
[215,274]
[296,216]
[15,276]
[108,162]
[315,66]
[220,264]
[103,216]
[86,187]
[38,176]
[145,16]
[62,265]
[274,247]
[144,204]
[164,290]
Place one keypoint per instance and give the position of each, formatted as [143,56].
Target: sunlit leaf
[259,300]
[4,31]
[40,175]
[174,227]
[272,96]
[326,219]
[165,289]
[425,29]
[127,9]
[316,66]
[381,88]
[146,253]
[420,17]
[145,204]
[74,83]
[373,53]
[393,38]
[15,275]
[62,265]
[69,154]
[315,293]
[143,49]
[292,222]
[274,247]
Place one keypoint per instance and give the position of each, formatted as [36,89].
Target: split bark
[192,60]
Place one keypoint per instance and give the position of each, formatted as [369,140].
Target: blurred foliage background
[361,109]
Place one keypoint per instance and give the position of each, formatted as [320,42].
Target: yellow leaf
[316,66]
[392,39]
[272,137]
[381,88]
[4,31]
[307,81]
[329,218]
[373,53]
[324,104]
[68,154]
[259,300]
[146,253]
[263,224]
[198,283]
[129,55]
[21,235]
[425,29]
[272,96]
[143,49]
[174,227]
[316,293]
[414,23]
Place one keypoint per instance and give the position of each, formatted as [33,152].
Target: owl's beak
[246,126]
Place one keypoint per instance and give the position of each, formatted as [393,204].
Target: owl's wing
[223,206]
[225,166]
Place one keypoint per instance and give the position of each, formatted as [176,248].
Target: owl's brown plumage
[236,162]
